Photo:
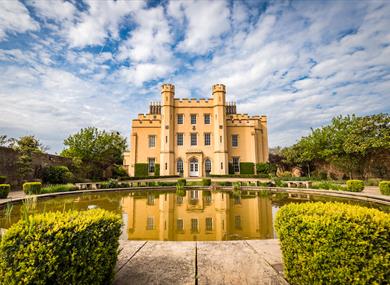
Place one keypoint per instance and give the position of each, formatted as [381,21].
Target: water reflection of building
[200,215]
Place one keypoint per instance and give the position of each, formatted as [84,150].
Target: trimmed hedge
[240,175]
[182,181]
[2,179]
[61,248]
[141,169]
[334,243]
[206,182]
[57,175]
[355,185]
[157,170]
[58,188]
[247,168]
[4,190]
[32,188]
[384,187]
[266,168]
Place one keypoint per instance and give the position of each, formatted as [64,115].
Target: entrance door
[194,167]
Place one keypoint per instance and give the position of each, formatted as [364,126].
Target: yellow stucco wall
[251,131]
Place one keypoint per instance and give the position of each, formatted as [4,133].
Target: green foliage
[58,188]
[247,168]
[326,185]
[157,170]
[384,187]
[285,174]
[355,185]
[141,169]
[61,248]
[334,243]
[265,168]
[94,150]
[180,190]
[182,181]
[241,175]
[32,188]
[28,144]
[113,183]
[57,175]
[225,183]
[372,182]
[3,179]
[206,182]
[118,171]
[4,190]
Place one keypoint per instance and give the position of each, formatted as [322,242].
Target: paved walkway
[227,262]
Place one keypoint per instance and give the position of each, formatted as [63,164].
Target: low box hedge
[384,187]
[61,248]
[355,185]
[4,190]
[206,182]
[32,188]
[182,181]
[247,168]
[334,243]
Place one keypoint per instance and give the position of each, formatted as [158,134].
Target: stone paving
[227,262]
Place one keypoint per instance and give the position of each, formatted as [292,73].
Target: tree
[95,150]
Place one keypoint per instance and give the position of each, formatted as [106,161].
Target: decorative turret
[167,94]
[167,129]
[219,91]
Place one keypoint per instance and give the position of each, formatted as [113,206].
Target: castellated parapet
[196,137]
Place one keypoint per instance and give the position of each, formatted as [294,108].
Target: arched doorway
[194,167]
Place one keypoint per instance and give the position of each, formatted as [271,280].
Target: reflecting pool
[184,216]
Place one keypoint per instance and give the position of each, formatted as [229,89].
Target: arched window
[207,166]
[179,166]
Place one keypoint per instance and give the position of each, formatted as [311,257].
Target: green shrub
[2,179]
[32,188]
[384,187]
[206,182]
[355,185]
[58,188]
[141,169]
[61,248]
[372,182]
[334,243]
[265,168]
[118,171]
[182,181]
[247,168]
[157,170]
[57,175]
[285,174]
[4,190]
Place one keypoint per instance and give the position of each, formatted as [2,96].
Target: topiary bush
[355,185]
[61,248]
[206,182]
[2,179]
[4,190]
[57,175]
[247,168]
[384,187]
[141,170]
[334,243]
[32,188]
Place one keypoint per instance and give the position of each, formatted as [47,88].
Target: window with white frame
[151,164]
[234,140]
[179,224]
[194,139]
[207,139]
[209,224]
[152,141]
[150,223]
[180,119]
[207,119]
[193,119]
[236,164]
[179,166]
[194,225]
[179,140]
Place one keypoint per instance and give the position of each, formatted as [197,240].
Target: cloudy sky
[68,65]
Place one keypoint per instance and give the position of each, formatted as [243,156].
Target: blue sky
[68,65]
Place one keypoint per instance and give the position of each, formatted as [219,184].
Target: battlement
[193,102]
[218,88]
[148,117]
[167,87]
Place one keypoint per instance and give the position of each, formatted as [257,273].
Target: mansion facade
[196,137]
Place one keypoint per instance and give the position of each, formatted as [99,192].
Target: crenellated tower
[220,137]
[167,159]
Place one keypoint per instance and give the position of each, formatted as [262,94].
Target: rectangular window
[194,139]
[193,119]
[194,195]
[179,138]
[207,139]
[236,164]
[237,222]
[150,223]
[234,140]
[207,119]
[179,224]
[209,224]
[151,164]
[180,119]
[150,199]
[194,225]
[152,141]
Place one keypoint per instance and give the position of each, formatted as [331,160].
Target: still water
[194,215]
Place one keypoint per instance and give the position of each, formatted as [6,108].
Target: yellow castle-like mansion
[196,137]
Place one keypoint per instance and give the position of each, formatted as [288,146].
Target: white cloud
[57,10]
[15,18]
